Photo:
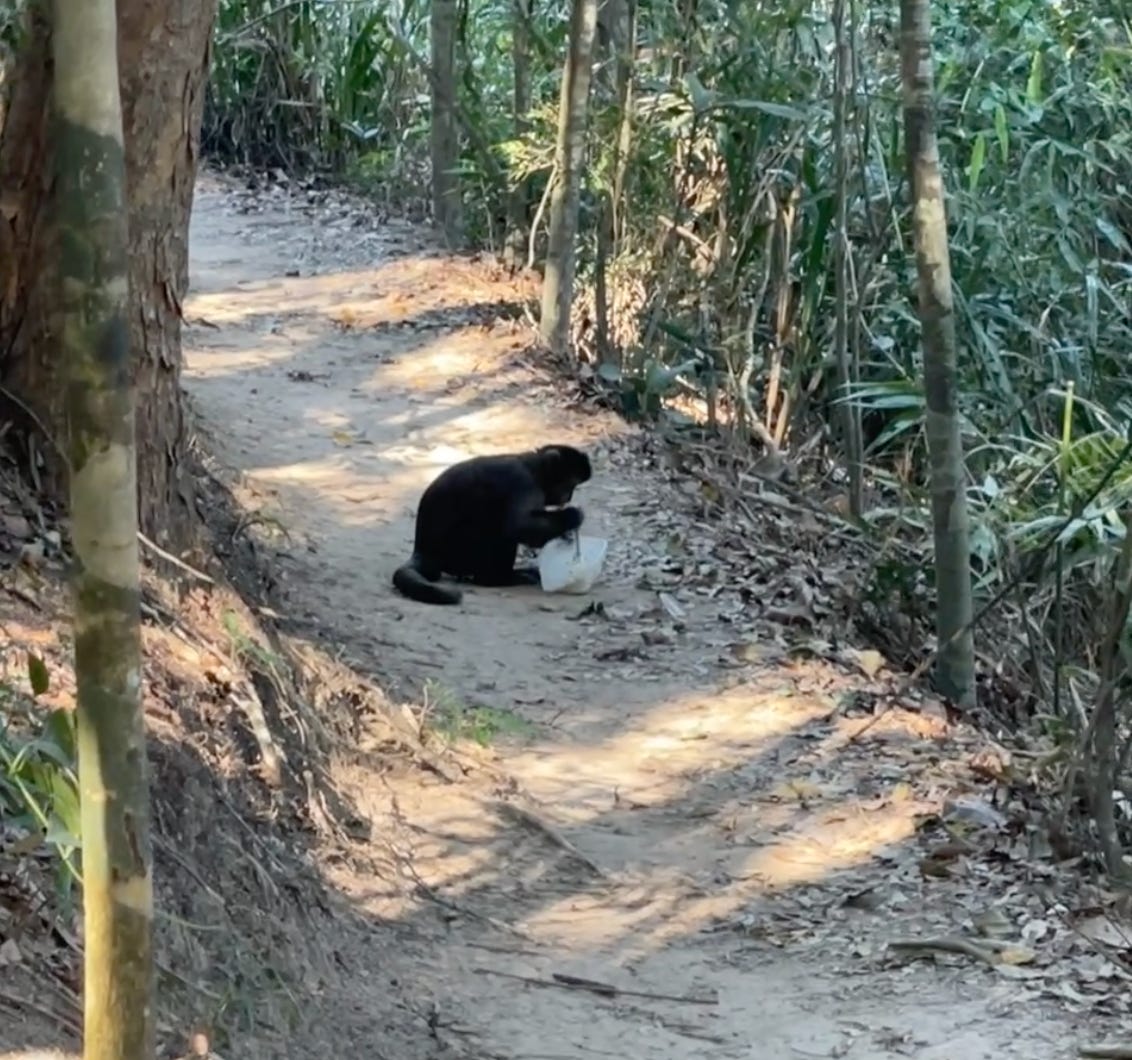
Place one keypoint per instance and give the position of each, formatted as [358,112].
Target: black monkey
[474,515]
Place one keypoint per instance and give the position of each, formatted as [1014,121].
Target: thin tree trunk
[90,174]
[1103,752]
[625,104]
[615,30]
[519,200]
[558,282]
[443,129]
[955,671]
[851,412]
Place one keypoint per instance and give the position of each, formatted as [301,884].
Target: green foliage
[39,792]
[245,647]
[455,720]
[315,85]
[720,220]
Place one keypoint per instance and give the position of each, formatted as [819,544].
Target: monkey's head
[560,469]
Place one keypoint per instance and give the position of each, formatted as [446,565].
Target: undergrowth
[452,717]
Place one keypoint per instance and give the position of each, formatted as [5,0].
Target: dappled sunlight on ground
[649,801]
[393,292]
[746,829]
[225,362]
[652,759]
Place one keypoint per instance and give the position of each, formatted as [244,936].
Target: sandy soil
[699,834]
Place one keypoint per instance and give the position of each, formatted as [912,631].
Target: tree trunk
[846,359]
[955,671]
[163,50]
[31,399]
[519,199]
[616,21]
[163,53]
[558,282]
[93,299]
[447,207]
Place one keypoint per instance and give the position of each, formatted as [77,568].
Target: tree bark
[31,398]
[163,52]
[93,297]
[955,670]
[163,48]
[558,281]
[444,139]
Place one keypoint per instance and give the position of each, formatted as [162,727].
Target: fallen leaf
[668,602]
[867,660]
[1106,932]
[1015,955]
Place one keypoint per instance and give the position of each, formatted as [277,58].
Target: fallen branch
[430,893]
[533,821]
[946,944]
[1122,1051]
[593,986]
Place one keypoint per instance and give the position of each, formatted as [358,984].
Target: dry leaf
[668,602]
[1016,955]
[1106,932]
[10,953]
[869,662]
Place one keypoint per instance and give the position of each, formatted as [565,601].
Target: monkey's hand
[572,519]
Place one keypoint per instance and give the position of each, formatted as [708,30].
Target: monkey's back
[464,513]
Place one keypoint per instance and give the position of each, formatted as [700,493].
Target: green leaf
[1002,132]
[775,110]
[1034,84]
[37,675]
[978,160]
[66,819]
[1112,234]
[701,98]
[59,735]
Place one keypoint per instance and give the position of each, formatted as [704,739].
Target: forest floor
[676,823]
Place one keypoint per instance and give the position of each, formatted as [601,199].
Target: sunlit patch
[213,362]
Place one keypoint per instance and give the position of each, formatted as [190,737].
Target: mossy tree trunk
[163,48]
[558,281]
[93,353]
[955,671]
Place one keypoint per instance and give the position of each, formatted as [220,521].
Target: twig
[593,986]
[946,944]
[47,1013]
[431,894]
[170,851]
[158,550]
[532,820]
[1121,1051]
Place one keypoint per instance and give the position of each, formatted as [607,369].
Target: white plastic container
[571,564]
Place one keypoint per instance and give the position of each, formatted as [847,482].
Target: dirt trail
[727,824]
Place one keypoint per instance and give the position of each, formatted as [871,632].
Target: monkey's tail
[411,581]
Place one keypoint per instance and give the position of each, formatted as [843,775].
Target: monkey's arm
[536,526]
